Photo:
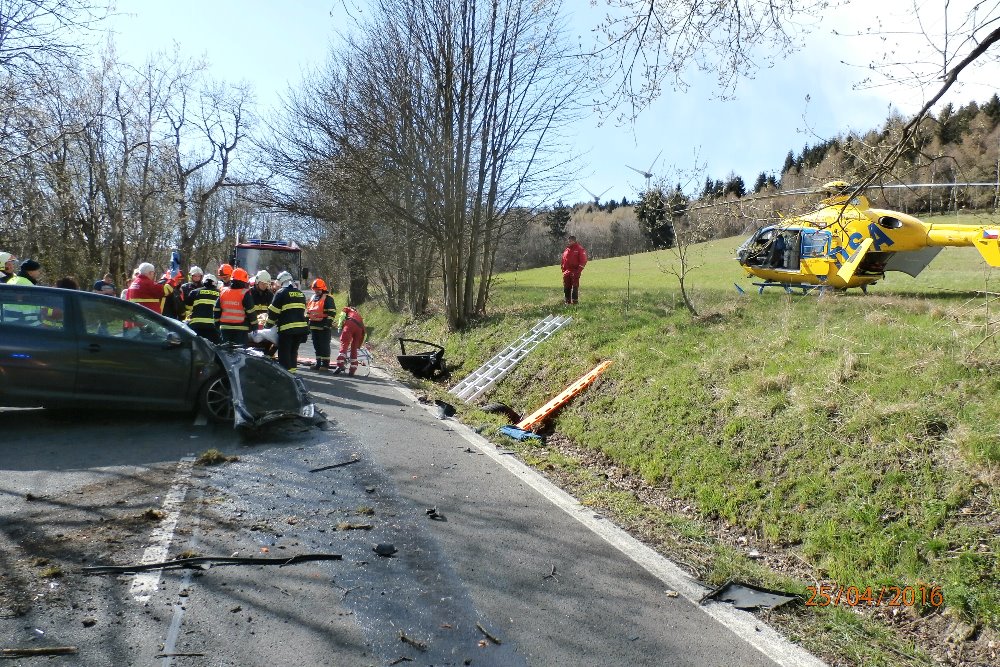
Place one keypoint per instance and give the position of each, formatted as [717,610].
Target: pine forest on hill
[955,146]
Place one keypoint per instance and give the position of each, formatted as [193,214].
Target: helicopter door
[846,272]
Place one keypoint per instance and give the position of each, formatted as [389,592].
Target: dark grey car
[65,348]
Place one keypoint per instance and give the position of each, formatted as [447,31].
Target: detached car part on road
[66,348]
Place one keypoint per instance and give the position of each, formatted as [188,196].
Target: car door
[130,356]
[38,350]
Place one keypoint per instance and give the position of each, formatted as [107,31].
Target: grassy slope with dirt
[854,437]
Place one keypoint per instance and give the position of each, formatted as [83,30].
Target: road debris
[479,626]
[336,465]
[421,646]
[402,658]
[385,549]
[200,561]
[179,655]
[552,575]
[432,513]
[748,597]
[30,652]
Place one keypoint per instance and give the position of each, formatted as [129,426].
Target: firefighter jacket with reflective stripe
[147,293]
[20,280]
[234,308]
[288,311]
[321,310]
[262,298]
[202,303]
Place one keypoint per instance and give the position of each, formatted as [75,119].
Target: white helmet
[196,271]
[263,277]
[285,278]
[209,278]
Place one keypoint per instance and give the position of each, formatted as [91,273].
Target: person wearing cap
[28,275]
[352,335]
[9,263]
[147,292]
[288,312]
[233,309]
[201,316]
[320,311]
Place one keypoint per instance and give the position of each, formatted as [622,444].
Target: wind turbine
[597,198]
[648,174]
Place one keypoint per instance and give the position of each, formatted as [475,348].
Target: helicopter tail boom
[985,239]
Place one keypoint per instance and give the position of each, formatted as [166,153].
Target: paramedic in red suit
[352,335]
[574,258]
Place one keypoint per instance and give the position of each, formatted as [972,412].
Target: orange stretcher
[535,419]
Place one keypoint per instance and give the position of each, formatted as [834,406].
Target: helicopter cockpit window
[889,222]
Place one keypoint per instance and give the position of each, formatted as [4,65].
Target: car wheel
[217,399]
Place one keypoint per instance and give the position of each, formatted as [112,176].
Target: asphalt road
[505,571]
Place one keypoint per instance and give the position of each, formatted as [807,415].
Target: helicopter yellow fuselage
[845,244]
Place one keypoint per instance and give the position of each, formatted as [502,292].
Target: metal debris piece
[199,561]
[747,597]
[335,465]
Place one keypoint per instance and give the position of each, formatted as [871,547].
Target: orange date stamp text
[832,595]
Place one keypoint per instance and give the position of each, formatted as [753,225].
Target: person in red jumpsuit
[352,335]
[574,258]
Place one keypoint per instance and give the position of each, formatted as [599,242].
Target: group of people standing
[228,307]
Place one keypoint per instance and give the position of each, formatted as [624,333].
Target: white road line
[174,631]
[745,625]
[145,583]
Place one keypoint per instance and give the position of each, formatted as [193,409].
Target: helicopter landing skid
[790,287]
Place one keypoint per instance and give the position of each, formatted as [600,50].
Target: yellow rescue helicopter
[846,243]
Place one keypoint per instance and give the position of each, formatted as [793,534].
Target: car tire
[216,400]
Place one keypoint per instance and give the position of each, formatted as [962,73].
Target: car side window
[113,319]
[32,308]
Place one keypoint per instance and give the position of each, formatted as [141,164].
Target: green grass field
[856,437]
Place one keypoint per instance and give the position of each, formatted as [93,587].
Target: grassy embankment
[854,439]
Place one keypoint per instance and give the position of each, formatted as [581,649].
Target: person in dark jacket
[29,274]
[288,312]
[201,316]
[195,277]
[321,310]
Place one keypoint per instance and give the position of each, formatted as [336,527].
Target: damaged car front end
[255,391]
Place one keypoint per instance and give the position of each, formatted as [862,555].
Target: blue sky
[270,44]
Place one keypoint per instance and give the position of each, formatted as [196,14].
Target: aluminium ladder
[487,375]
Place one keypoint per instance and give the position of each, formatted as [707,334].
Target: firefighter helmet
[284,278]
[241,275]
[319,284]
[225,271]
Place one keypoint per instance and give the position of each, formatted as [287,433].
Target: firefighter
[173,306]
[574,258]
[201,316]
[146,292]
[288,312]
[320,310]
[233,309]
[7,270]
[352,335]
[225,274]
[262,296]
[195,278]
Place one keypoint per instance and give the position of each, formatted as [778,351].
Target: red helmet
[319,284]
[241,275]
[225,270]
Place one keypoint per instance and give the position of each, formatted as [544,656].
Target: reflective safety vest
[320,310]
[203,302]
[232,314]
